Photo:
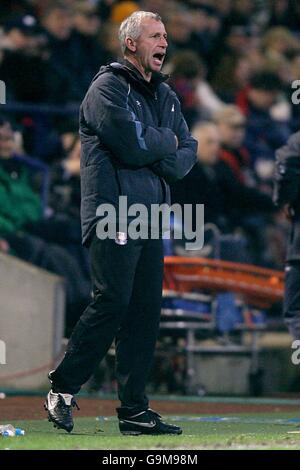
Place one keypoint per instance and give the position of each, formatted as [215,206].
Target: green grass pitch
[240,431]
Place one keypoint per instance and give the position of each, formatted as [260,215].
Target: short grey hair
[131,26]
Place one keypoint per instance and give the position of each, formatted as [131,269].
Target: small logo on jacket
[173,109]
[121,238]
[138,103]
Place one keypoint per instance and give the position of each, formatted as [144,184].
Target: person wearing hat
[87,27]
[20,33]
[263,133]
[72,54]
[21,64]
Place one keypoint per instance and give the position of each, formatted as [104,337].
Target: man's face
[179,27]
[209,144]
[87,24]
[232,134]
[151,46]
[59,23]
[262,99]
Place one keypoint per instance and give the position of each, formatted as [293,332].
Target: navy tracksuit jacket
[127,131]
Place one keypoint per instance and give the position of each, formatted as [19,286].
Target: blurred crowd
[232,64]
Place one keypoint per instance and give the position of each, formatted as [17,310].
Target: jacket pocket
[100,179]
[140,186]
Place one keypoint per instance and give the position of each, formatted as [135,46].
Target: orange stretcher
[259,287]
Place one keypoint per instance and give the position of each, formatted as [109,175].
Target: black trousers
[291,302]
[126,305]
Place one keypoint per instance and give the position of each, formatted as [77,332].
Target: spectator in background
[64,82]
[227,201]
[57,20]
[223,8]
[179,25]
[22,65]
[62,224]
[231,125]
[20,210]
[277,42]
[86,28]
[110,43]
[280,13]
[241,13]
[186,71]
[230,59]
[206,28]
[71,68]
[19,202]
[198,100]
[279,46]
[263,133]
[86,21]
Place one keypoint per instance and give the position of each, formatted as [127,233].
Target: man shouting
[134,142]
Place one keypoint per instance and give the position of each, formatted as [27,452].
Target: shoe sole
[140,433]
[137,433]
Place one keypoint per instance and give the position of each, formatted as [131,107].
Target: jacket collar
[156,79]
[132,74]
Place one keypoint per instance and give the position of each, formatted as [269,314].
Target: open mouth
[158,58]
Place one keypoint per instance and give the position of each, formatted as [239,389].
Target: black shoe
[59,407]
[145,422]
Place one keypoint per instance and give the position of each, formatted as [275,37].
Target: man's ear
[130,44]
